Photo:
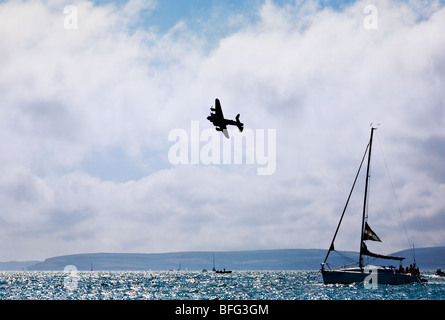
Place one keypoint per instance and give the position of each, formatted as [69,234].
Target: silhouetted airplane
[220,123]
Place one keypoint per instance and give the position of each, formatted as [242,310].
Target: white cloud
[314,74]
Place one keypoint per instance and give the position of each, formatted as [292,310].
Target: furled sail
[366,252]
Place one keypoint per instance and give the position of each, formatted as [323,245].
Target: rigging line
[331,247]
[344,256]
[395,195]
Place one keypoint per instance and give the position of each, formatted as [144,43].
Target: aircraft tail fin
[239,124]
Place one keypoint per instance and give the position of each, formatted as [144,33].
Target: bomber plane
[217,118]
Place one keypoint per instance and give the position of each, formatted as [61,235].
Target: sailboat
[219,271]
[366,273]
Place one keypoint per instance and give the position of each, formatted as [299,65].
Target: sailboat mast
[214,263]
[365,198]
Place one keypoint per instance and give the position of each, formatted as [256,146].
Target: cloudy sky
[90,93]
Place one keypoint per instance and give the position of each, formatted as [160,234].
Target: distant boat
[219,271]
[439,272]
[179,268]
[223,271]
[362,273]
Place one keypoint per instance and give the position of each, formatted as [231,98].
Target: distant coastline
[429,258]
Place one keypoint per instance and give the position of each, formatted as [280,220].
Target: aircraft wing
[218,110]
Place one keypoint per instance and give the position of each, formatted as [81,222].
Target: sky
[105,145]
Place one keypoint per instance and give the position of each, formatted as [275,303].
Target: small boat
[223,271]
[439,272]
[219,271]
[363,272]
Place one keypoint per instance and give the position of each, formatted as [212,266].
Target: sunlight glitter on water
[243,285]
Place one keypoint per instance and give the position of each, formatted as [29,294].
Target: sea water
[183,285]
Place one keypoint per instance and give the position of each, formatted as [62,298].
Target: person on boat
[413,270]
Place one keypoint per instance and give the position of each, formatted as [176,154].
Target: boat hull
[368,275]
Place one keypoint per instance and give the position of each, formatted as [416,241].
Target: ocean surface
[183,285]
